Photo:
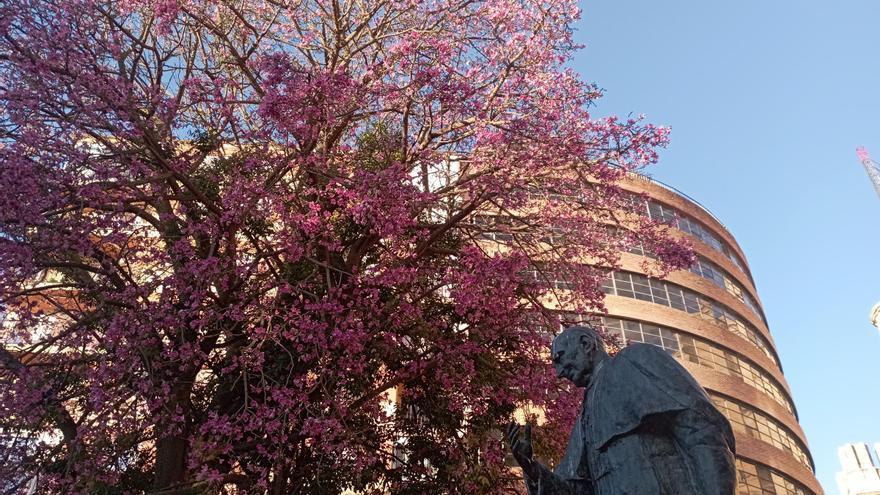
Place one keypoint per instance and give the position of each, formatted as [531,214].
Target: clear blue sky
[767,101]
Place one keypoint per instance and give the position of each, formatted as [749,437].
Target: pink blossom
[279,246]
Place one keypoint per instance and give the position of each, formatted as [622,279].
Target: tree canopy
[295,247]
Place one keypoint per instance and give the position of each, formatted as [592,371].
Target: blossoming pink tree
[294,246]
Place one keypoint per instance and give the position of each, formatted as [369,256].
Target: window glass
[747,420]
[685,223]
[638,286]
[717,275]
[758,479]
[702,352]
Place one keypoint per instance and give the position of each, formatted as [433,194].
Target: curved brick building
[711,319]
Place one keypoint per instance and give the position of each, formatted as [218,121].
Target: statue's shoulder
[655,363]
[642,380]
[637,363]
[640,352]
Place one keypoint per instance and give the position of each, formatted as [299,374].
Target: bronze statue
[646,427]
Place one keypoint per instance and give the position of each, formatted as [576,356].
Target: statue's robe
[646,428]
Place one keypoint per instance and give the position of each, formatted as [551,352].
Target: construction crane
[872,167]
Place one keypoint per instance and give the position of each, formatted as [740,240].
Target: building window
[701,352]
[758,479]
[687,224]
[754,423]
[637,286]
[721,278]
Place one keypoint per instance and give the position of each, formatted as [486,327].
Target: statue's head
[575,353]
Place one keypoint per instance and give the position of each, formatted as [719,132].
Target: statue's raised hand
[521,447]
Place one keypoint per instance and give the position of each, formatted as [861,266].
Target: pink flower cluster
[275,247]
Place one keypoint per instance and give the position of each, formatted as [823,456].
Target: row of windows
[701,352]
[717,275]
[702,267]
[504,229]
[637,286]
[721,278]
[553,279]
[758,479]
[756,424]
[665,213]
[662,213]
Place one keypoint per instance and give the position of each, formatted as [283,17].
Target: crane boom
[874,174]
[871,167]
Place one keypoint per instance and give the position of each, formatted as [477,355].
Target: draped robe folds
[646,427]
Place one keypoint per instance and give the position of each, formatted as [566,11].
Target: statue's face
[572,356]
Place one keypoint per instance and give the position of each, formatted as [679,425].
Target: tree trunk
[170,466]
[172,445]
